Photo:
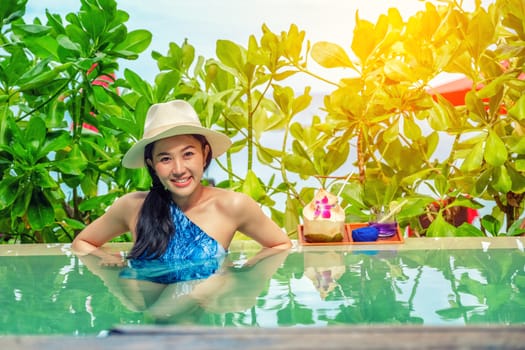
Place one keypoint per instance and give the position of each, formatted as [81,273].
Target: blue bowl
[365,234]
[386,229]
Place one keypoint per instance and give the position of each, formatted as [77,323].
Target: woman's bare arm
[253,222]
[118,219]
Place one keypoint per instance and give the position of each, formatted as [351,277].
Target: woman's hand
[112,260]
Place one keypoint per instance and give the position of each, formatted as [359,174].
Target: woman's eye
[164,159]
[188,154]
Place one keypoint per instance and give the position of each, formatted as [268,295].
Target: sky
[203,22]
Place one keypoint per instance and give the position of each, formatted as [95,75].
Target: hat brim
[219,143]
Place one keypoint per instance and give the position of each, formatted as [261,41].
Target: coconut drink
[324,219]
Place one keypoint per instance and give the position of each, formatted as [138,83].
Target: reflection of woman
[179,217]
[228,289]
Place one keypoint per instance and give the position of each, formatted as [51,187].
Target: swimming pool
[47,290]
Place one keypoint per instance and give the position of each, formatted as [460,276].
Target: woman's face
[179,163]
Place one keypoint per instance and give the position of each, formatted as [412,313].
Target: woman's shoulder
[230,199]
[130,200]
[227,195]
[137,195]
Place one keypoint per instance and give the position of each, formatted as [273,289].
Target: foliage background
[57,80]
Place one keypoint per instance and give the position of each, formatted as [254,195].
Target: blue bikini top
[191,254]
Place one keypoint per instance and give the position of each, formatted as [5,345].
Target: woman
[179,218]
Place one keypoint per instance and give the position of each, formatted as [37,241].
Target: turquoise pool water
[48,290]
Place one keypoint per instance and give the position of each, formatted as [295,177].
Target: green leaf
[283,96]
[516,144]
[440,228]
[35,135]
[252,186]
[441,184]
[54,142]
[103,101]
[432,142]
[40,213]
[79,36]
[363,43]
[67,48]
[300,165]
[93,22]
[495,151]
[22,200]
[483,181]
[520,165]
[518,110]
[290,219]
[74,163]
[330,55]
[491,224]
[98,202]
[136,41]
[43,47]
[502,181]
[397,70]
[411,129]
[38,80]
[480,32]
[139,85]
[335,158]
[267,155]
[474,158]
[116,35]
[475,105]
[438,117]
[40,76]
[517,179]
[302,102]
[30,30]
[391,134]
[468,230]
[140,178]
[74,224]
[44,179]
[8,191]
[188,55]
[10,11]
[165,82]
[231,55]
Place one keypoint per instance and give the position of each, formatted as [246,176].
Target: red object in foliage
[454,91]
[456,215]
[104,81]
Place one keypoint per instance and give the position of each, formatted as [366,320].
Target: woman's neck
[187,203]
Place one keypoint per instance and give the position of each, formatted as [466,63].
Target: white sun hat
[171,119]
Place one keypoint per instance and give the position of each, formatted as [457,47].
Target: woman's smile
[183,182]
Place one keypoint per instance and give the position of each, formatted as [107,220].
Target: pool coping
[437,243]
[334,337]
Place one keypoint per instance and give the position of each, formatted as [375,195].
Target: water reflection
[312,287]
[189,288]
[407,287]
[324,269]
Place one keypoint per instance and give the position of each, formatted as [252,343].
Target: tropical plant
[385,107]
[57,79]
[57,83]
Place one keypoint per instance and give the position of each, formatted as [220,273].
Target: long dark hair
[155,225]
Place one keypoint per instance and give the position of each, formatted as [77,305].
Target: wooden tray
[347,237]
